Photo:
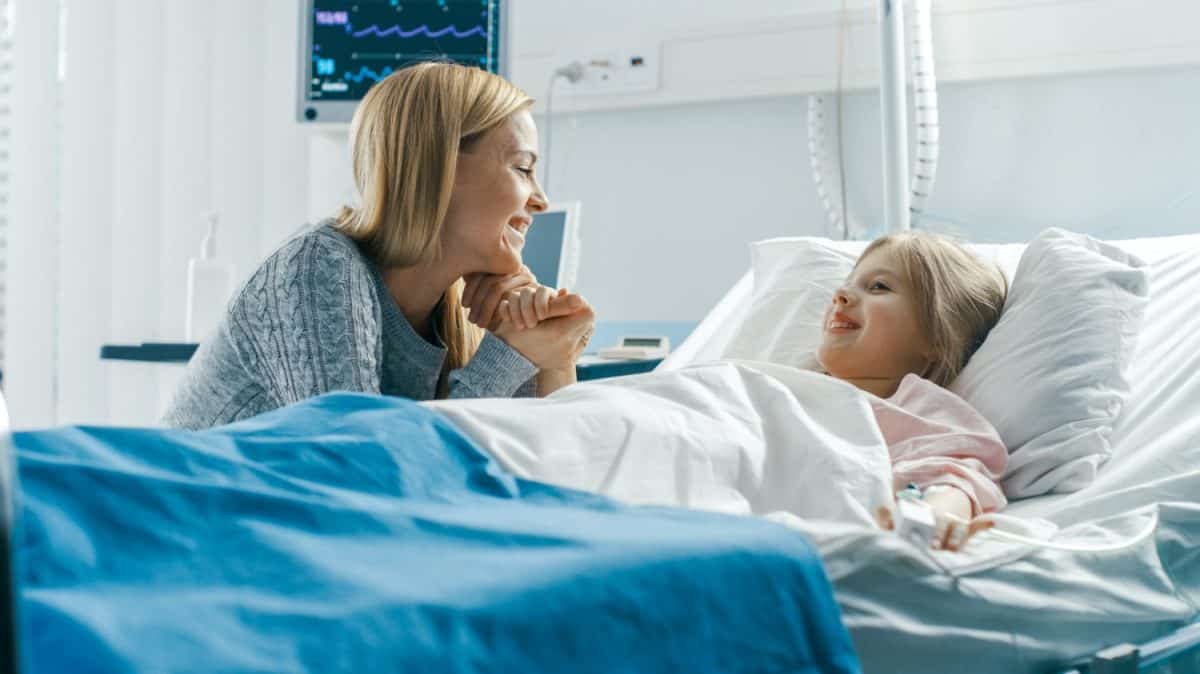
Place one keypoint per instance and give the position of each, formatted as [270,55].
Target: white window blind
[6,78]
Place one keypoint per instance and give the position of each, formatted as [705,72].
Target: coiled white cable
[925,104]
[827,171]
[828,167]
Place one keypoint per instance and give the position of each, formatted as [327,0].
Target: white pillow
[1051,374]
[1156,440]
[1052,400]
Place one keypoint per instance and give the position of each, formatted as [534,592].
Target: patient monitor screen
[544,246]
[356,43]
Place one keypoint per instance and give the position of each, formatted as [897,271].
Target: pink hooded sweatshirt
[935,437]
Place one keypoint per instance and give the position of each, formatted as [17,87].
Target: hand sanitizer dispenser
[209,287]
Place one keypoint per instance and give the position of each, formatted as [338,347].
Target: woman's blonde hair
[406,136]
[959,297]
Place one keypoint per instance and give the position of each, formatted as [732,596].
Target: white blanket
[803,449]
[719,437]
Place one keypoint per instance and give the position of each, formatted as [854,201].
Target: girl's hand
[952,517]
[953,533]
[555,341]
[953,513]
[483,293]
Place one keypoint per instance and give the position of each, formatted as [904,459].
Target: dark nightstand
[592,367]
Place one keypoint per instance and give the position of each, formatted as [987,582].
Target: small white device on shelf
[638,348]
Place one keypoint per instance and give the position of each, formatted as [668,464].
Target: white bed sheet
[802,449]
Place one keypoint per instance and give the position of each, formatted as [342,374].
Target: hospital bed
[1156,459]
[304,518]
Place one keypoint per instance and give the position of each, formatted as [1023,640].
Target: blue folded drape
[354,533]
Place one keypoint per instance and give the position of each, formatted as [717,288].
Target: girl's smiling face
[872,328]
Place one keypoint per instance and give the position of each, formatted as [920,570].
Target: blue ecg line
[398,31]
[366,73]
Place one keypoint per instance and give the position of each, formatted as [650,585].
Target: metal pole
[894,106]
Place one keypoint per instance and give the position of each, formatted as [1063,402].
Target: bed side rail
[1131,658]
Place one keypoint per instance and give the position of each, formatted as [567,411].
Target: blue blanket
[366,534]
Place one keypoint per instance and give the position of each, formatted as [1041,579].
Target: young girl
[903,325]
[901,328]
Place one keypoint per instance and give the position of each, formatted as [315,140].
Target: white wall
[709,50]
[672,194]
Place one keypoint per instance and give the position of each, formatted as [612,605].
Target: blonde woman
[401,295]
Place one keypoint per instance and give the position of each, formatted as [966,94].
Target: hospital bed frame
[10,659]
[1120,659]
[1178,650]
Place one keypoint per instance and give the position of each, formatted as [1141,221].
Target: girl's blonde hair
[406,136]
[959,297]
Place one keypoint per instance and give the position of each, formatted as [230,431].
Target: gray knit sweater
[316,317]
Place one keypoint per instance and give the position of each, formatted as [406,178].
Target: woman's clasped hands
[548,327]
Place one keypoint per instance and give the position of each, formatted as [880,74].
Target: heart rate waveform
[366,73]
[425,31]
[355,43]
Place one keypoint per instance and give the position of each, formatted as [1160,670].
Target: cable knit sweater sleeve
[308,323]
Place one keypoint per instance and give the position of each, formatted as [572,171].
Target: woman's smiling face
[496,194]
[872,329]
